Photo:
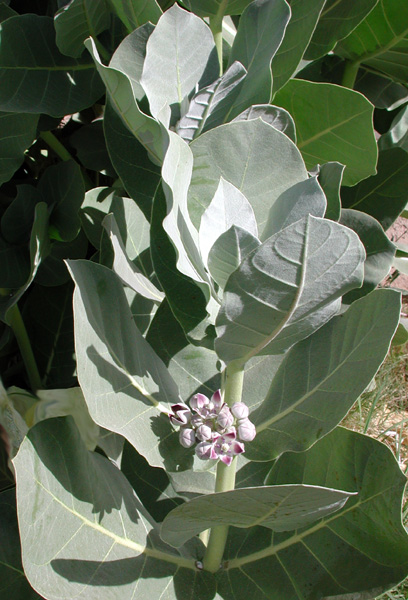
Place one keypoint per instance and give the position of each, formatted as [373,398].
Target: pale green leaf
[280,286]
[260,33]
[126,386]
[332,124]
[106,544]
[333,367]
[280,508]
[274,115]
[259,160]
[182,47]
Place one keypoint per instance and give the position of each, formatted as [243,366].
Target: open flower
[218,430]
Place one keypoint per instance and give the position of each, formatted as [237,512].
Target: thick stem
[54,143]
[18,327]
[225,479]
[350,74]
[216,28]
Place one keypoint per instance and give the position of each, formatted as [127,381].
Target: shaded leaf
[280,508]
[397,135]
[332,124]
[50,326]
[259,35]
[213,7]
[90,146]
[279,286]
[18,131]
[77,21]
[134,13]
[381,91]
[333,368]
[384,196]
[52,270]
[210,105]
[381,40]
[379,250]
[124,382]
[35,77]
[330,178]
[13,581]
[337,20]
[130,159]
[106,529]
[17,219]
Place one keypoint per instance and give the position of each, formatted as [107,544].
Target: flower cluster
[218,430]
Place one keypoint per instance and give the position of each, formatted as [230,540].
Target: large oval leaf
[35,77]
[280,286]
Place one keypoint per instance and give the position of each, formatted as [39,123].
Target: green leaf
[89,143]
[35,77]
[332,124]
[152,485]
[209,107]
[333,367]
[50,327]
[274,115]
[18,131]
[124,382]
[6,12]
[337,20]
[130,55]
[186,298]
[130,159]
[368,549]
[401,335]
[77,21]
[276,295]
[381,91]
[103,529]
[213,8]
[259,160]
[63,189]
[52,270]
[280,508]
[39,248]
[379,250]
[124,268]
[303,20]
[300,200]
[397,135]
[228,208]
[381,40]
[260,33]
[330,177]
[13,584]
[146,130]
[133,13]
[384,196]
[17,219]
[181,46]
[195,368]
[228,252]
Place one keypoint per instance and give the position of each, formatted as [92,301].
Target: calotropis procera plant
[211,184]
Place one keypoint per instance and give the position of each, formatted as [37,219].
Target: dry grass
[382,412]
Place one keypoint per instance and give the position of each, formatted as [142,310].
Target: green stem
[17,324]
[216,28]
[350,74]
[54,143]
[225,479]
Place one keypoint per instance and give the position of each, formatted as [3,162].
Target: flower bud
[240,410]
[204,433]
[187,437]
[246,430]
[225,418]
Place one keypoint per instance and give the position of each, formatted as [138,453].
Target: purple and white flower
[218,430]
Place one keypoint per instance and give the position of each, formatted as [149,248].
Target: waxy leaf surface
[332,124]
[280,508]
[280,285]
[333,367]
